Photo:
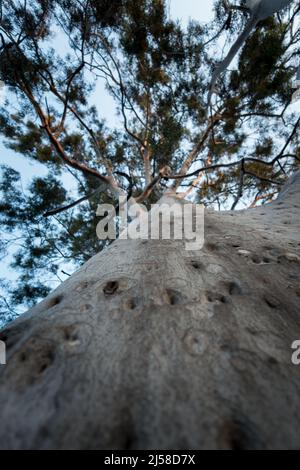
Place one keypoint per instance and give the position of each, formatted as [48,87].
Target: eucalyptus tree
[149,345]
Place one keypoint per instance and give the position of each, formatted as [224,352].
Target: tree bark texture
[150,346]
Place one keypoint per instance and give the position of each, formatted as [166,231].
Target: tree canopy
[53,56]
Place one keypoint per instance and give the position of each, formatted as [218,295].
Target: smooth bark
[150,346]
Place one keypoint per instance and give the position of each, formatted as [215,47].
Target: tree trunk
[150,346]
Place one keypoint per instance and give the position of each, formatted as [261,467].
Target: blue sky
[200,10]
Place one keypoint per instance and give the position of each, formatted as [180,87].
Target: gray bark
[150,346]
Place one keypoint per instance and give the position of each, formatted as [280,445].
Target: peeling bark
[150,346]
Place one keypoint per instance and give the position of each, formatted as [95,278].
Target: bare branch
[196,150]
[241,186]
[73,204]
[163,174]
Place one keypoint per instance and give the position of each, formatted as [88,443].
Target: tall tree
[146,320]
[158,75]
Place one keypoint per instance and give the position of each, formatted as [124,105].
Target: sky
[184,10]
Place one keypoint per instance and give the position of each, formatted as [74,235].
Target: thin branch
[265,180]
[73,204]
[163,174]
[196,150]
[241,186]
[238,162]
[65,273]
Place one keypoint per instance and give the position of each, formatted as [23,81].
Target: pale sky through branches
[184,10]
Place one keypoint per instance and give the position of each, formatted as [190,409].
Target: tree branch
[193,154]
[73,204]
